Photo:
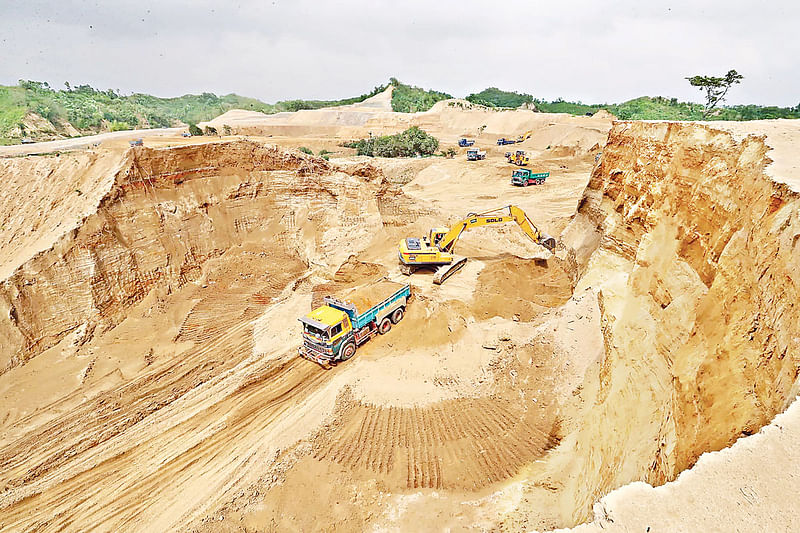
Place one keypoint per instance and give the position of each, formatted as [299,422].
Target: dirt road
[88,141]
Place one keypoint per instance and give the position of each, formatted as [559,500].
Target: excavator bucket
[548,242]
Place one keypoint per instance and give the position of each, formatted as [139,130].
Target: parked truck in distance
[524,177]
[136,142]
[473,154]
[465,142]
[333,332]
[503,141]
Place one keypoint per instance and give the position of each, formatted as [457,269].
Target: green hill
[35,110]
[85,110]
[494,97]
[409,99]
[661,108]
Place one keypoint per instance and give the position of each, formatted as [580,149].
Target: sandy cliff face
[148,332]
[695,252]
[161,217]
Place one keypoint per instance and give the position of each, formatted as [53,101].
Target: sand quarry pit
[149,378]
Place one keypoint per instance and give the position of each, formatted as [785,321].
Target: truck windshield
[315,331]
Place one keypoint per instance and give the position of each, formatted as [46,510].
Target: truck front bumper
[323,359]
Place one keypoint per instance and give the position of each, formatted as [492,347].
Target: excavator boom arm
[496,216]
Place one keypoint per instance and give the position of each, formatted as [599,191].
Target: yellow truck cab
[334,331]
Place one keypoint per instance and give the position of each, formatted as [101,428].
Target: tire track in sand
[157,451]
[453,444]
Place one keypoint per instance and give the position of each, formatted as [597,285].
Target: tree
[194,130]
[715,88]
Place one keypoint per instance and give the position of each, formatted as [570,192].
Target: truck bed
[371,295]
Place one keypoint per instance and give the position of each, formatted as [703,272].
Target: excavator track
[445,271]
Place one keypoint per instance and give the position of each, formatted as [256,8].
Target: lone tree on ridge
[715,88]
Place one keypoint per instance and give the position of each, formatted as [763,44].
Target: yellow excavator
[436,249]
[518,158]
[525,136]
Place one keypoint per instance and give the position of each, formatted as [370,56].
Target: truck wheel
[348,351]
[386,325]
[397,316]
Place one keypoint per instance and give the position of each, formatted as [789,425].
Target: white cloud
[587,50]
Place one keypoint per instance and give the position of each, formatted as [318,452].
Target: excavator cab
[436,235]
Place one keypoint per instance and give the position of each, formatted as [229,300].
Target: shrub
[119,126]
[194,130]
[306,150]
[408,99]
[209,130]
[409,143]
[494,97]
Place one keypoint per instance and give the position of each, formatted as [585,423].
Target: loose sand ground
[151,381]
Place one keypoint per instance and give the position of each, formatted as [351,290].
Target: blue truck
[465,142]
[333,331]
[503,141]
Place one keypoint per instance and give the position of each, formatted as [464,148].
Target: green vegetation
[12,110]
[494,97]
[297,105]
[661,108]
[91,110]
[409,143]
[194,130]
[306,150]
[715,88]
[409,99]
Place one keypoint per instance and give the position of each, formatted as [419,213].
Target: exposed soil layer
[148,327]
[694,250]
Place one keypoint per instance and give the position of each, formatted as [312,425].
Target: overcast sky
[578,50]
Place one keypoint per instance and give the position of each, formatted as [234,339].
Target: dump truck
[465,142]
[524,177]
[518,158]
[333,332]
[136,142]
[473,154]
[503,141]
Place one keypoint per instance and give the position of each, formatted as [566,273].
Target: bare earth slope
[742,488]
[148,330]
